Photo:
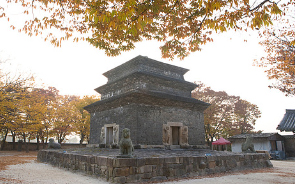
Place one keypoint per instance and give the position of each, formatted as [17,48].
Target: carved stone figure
[53,145]
[184,136]
[116,134]
[102,135]
[166,134]
[125,144]
[248,146]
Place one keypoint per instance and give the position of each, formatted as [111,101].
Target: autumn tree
[217,114]
[279,43]
[37,107]
[227,115]
[245,116]
[12,92]
[49,117]
[30,113]
[82,125]
[66,117]
[116,25]
[10,117]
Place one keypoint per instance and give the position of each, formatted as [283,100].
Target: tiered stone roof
[144,80]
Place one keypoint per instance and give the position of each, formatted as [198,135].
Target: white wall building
[262,141]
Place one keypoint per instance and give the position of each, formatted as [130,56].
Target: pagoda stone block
[153,100]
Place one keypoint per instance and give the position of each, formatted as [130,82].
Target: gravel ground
[35,172]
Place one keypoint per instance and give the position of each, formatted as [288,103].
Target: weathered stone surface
[125,144]
[121,179]
[189,168]
[154,161]
[121,171]
[211,164]
[147,175]
[145,169]
[133,170]
[167,166]
[124,162]
[145,122]
[134,178]
[186,160]
[110,162]
[140,162]
[53,145]
[143,97]
[172,160]
[158,178]
[248,145]
[101,161]
[202,165]
[268,163]
[231,163]
[145,64]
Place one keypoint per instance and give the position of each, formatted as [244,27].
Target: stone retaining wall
[32,146]
[129,170]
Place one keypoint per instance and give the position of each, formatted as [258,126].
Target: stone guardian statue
[125,144]
[248,146]
[53,145]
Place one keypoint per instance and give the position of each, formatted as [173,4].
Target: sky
[76,68]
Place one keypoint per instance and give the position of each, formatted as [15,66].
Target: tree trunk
[37,141]
[47,135]
[211,141]
[82,139]
[43,142]
[26,144]
[13,141]
[59,138]
[4,140]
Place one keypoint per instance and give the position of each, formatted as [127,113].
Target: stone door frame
[167,133]
[104,134]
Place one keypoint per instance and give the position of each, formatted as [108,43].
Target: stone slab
[170,164]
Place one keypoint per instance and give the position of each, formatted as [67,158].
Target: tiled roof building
[288,122]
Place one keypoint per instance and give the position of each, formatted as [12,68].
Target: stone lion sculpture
[248,146]
[53,144]
[125,144]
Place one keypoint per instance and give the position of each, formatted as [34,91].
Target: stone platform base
[152,165]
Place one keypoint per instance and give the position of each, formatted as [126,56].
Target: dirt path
[12,158]
[20,167]
[283,172]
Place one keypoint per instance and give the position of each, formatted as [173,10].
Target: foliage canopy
[27,112]
[116,25]
[279,43]
[227,115]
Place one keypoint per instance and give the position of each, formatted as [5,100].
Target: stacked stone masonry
[134,170]
[147,96]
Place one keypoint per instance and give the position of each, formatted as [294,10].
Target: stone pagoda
[153,100]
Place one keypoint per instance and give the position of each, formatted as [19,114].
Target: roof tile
[288,122]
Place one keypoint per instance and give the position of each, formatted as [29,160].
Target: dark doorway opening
[175,135]
[109,136]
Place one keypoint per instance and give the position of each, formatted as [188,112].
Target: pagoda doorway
[175,135]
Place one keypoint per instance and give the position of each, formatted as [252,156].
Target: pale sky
[224,65]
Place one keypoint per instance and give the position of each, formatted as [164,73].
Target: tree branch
[176,2]
[200,26]
[261,4]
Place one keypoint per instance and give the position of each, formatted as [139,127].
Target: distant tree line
[28,113]
[227,115]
